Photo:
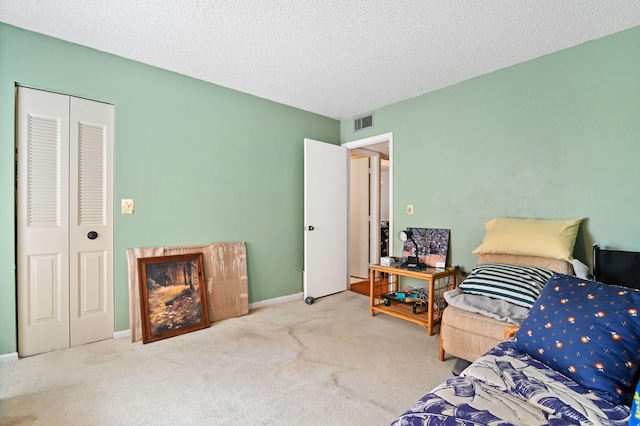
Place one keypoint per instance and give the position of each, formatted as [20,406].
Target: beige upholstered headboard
[556,265]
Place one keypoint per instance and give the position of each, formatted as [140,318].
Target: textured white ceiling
[337,58]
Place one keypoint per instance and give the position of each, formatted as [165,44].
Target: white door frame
[363,143]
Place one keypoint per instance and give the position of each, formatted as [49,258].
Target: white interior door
[325,218]
[375,183]
[43,222]
[359,216]
[65,279]
[91,221]
[374,206]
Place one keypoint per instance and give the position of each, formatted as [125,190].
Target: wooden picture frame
[173,296]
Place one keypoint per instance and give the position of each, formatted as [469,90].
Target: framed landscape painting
[173,297]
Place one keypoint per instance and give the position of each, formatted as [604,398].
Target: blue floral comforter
[507,387]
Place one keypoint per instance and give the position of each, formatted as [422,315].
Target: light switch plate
[410,209]
[127,206]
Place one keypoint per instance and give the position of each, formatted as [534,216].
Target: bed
[474,322]
[574,359]
[477,318]
[508,387]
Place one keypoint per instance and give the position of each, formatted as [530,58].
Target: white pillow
[515,284]
[580,269]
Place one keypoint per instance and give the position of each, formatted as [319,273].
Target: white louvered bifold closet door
[91,261]
[65,278]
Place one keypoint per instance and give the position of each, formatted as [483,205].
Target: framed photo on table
[173,296]
[433,246]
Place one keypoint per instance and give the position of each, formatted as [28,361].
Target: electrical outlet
[410,209]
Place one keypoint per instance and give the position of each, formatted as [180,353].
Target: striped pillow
[516,284]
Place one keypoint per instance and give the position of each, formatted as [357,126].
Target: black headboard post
[616,267]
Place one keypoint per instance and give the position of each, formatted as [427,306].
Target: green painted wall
[203,163]
[555,137]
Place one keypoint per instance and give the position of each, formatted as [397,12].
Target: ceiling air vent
[363,122]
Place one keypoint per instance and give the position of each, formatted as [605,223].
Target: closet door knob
[310,228]
[92,235]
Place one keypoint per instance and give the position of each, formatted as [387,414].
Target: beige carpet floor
[329,363]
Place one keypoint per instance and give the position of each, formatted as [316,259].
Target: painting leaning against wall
[173,297]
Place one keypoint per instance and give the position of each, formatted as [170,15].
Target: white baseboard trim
[275,301]
[121,334]
[10,357]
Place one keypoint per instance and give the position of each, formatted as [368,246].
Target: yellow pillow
[530,237]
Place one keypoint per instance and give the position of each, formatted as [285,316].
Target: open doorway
[370,201]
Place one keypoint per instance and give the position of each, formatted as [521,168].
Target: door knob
[92,235]
[310,228]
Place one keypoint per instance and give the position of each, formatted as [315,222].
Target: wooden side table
[438,281]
